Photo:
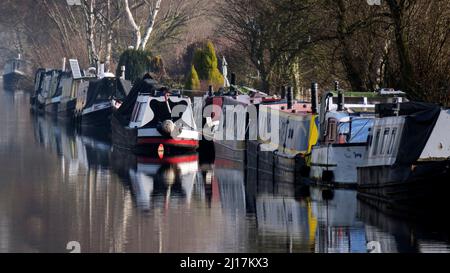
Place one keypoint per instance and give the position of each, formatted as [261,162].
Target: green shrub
[206,63]
[192,80]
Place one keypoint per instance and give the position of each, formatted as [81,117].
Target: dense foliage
[401,44]
[206,63]
[192,80]
[136,62]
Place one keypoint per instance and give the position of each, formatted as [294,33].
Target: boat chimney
[63,64]
[340,102]
[314,97]
[233,83]
[283,92]
[289,97]
[210,91]
[101,70]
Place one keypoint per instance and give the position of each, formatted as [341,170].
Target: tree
[136,62]
[271,33]
[206,63]
[162,22]
[96,18]
[142,38]
[158,68]
[192,80]
[358,40]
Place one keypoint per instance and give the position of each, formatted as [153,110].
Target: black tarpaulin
[406,108]
[419,124]
[102,90]
[123,86]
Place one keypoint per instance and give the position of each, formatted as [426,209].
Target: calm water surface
[57,186]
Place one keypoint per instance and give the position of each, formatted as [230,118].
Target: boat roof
[17,60]
[298,108]
[406,108]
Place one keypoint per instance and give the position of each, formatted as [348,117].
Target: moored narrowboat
[408,157]
[154,120]
[96,100]
[342,141]
[16,74]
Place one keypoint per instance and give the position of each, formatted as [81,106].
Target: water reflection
[403,234]
[339,229]
[60,185]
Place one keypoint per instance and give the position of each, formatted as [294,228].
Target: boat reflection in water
[60,186]
[399,234]
[80,151]
[339,229]
[164,182]
[312,219]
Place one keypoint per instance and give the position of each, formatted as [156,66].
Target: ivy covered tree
[139,62]
[192,80]
[136,62]
[158,68]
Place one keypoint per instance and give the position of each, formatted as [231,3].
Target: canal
[59,186]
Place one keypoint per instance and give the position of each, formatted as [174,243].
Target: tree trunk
[406,69]
[150,24]
[352,72]
[91,31]
[109,38]
[133,24]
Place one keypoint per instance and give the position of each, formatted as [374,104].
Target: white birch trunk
[135,27]
[109,39]
[150,24]
[91,30]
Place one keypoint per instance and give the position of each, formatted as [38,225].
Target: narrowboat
[16,74]
[231,114]
[342,141]
[344,131]
[153,119]
[287,130]
[96,99]
[230,120]
[408,153]
[68,88]
[45,94]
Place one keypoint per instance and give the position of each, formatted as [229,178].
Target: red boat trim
[168,141]
[169,160]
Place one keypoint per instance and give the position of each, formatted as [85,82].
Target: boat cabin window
[136,116]
[384,144]
[356,130]
[331,130]
[392,141]
[16,65]
[375,142]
